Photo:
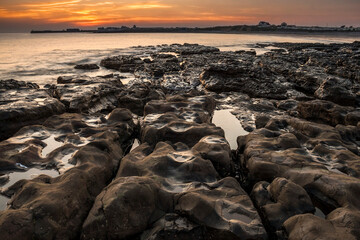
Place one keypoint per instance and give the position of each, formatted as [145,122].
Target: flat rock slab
[179,119]
[87,94]
[55,208]
[25,106]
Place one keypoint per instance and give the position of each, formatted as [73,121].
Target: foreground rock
[340,224]
[300,160]
[54,208]
[175,183]
[168,180]
[24,104]
[321,159]
[281,200]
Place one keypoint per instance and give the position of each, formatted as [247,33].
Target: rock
[86,94]
[173,226]
[261,121]
[194,109]
[287,105]
[331,182]
[246,79]
[168,127]
[171,180]
[178,120]
[336,90]
[301,156]
[176,166]
[234,214]
[14,84]
[136,96]
[125,208]
[280,200]
[87,66]
[55,208]
[217,150]
[124,63]
[327,112]
[24,105]
[341,224]
[189,49]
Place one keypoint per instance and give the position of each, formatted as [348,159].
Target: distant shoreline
[241,29]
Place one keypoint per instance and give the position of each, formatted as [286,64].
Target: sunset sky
[24,15]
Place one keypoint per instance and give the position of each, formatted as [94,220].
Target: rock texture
[23,104]
[138,157]
[169,180]
[54,208]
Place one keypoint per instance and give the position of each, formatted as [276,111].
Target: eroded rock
[24,104]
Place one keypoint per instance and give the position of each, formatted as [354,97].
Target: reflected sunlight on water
[41,58]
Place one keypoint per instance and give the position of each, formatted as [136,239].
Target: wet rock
[194,109]
[179,119]
[287,104]
[14,84]
[24,105]
[261,121]
[136,96]
[55,208]
[340,224]
[174,226]
[229,206]
[159,66]
[181,166]
[124,208]
[87,66]
[123,63]
[327,112]
[314,156]
[168,127]
[179,180]
[189,49]
[280,200]
[227,77]
[217,150]
[86,94]
[336,90]
[308,79]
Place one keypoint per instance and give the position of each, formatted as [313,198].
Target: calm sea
[41,58]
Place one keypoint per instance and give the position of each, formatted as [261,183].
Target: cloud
[51,4]
[177,12]
[146,5]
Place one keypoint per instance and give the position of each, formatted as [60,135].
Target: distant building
[134,26]
[263,24]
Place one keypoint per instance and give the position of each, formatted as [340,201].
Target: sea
[41,58]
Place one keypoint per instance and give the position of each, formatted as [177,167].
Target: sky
[25,15]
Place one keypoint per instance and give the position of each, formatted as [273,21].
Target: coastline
[289,161]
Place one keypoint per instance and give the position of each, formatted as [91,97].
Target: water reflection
[230,124]
[29,174]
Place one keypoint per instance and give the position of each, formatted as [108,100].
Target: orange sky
[24,15]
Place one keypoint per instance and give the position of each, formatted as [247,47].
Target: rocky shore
[138,154]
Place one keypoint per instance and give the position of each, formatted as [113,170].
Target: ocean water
[41,58]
